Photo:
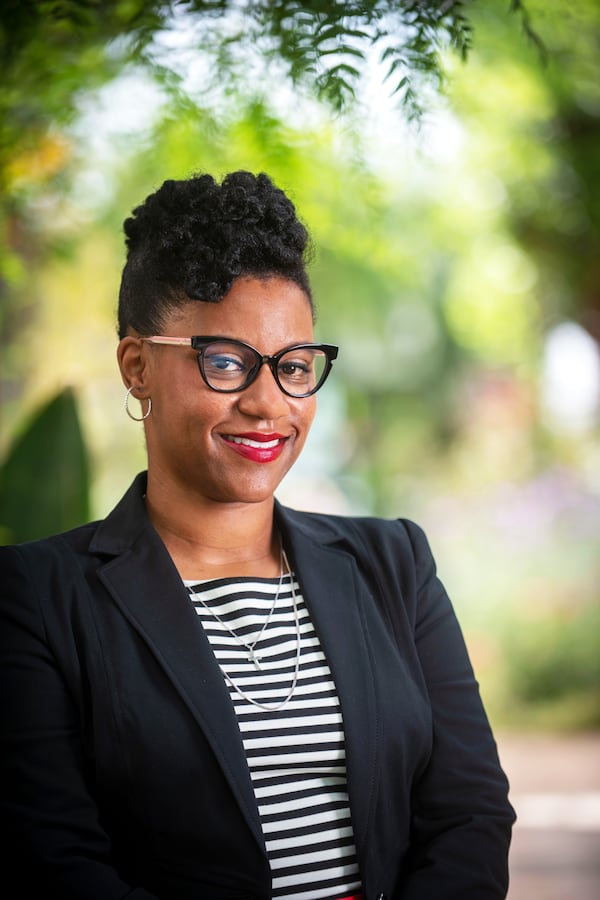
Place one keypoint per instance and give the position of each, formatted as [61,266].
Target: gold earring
[128,411]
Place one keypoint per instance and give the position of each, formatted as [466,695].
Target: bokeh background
[457,264]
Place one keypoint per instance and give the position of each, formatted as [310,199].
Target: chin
[250,494]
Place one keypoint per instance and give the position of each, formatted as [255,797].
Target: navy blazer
[123,770]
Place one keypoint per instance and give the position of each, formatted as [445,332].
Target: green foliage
[328,43]
[50,51]
[549,133]
[551,665]
[44,481]
[554,656]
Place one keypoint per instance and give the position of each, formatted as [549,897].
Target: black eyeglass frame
[201,342]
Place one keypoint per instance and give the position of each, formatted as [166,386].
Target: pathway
[555,789]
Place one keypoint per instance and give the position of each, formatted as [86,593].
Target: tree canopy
[51,50]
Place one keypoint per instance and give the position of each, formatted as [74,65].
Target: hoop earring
[128,411]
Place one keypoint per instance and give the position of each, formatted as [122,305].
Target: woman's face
[223,447]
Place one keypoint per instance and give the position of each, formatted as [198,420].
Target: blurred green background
[457,265]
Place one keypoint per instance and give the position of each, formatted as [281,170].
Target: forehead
[268,313]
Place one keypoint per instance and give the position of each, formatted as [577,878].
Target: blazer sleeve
[51,840]
[461,817]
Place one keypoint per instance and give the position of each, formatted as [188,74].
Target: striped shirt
[295,749]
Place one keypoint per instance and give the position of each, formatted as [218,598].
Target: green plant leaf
[44,481]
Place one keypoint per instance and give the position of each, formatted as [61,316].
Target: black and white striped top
[296,753]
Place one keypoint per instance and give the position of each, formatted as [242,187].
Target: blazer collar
[145,584]
[143,581]
[126,523]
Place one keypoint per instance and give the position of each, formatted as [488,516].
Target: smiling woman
[199,432]
[208,695]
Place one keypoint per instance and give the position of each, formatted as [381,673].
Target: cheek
[189,410]
[306,413]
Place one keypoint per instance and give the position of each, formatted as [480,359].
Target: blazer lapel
[146,586]
[328,578]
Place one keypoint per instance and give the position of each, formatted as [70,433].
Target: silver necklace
[252,656]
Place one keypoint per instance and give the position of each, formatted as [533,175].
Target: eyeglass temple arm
[163,339]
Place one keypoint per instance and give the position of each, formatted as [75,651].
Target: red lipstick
[256,445]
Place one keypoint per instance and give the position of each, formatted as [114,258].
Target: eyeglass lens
[230,366]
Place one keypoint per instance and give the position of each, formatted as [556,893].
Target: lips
[256,446]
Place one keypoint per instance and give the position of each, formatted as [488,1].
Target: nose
[264,399]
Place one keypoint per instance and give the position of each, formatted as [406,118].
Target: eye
[290,369]
[223,363]
[297,367]
[226,363]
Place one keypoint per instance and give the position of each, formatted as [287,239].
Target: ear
[132,364]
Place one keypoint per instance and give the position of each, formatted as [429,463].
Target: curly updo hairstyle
[191,239]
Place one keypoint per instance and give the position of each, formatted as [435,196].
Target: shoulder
[47,553]
[393,552]
[380,535]
[392,559]
[98,538]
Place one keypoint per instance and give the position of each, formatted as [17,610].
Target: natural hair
[191,239]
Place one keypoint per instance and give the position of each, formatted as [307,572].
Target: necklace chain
[252,655]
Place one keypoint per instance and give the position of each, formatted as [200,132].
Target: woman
[207,695]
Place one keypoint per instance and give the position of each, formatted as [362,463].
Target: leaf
[342,51]
[44,481]
[333,32]
[345,69]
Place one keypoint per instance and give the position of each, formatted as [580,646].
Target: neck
[209,539]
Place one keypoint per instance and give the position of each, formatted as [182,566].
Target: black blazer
[123,771]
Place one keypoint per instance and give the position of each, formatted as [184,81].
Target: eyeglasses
[227,365]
